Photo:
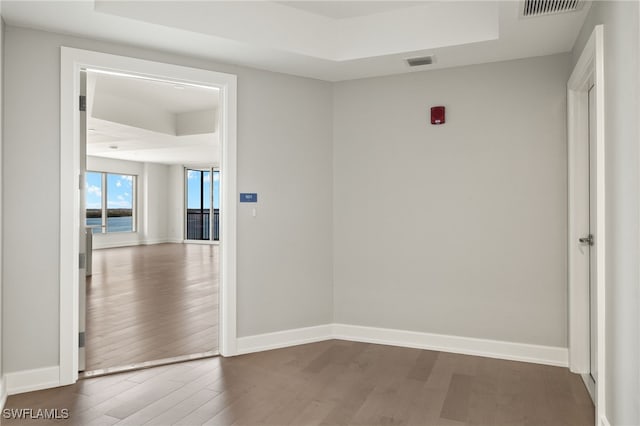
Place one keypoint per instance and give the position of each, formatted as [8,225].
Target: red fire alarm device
[437,115]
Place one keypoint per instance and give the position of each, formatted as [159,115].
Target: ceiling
[328,40]
[137,119]
[173,97]
[348,9]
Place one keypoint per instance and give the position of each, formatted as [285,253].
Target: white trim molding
[32,380]
[43,378]
[283,339]
[72,61]
[101,245]
[587,75]
[3,392]
[524,352]
[513,351]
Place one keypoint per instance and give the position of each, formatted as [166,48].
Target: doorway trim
[589,70]
[72,61]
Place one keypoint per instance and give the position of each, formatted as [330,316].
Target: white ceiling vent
[532,8]
[418,62]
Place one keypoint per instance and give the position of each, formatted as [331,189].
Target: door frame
[72,61]
[588,70]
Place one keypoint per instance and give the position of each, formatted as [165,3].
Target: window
[200,217]
[110,202]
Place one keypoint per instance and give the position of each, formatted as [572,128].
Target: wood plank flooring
[146,303]
[326,383]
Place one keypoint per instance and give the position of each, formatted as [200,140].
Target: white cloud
[192,174]
[119,204]
[118,183]
[94,190]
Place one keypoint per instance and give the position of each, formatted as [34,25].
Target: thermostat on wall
[248,197]
[437,115]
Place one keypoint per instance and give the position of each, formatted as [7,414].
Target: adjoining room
[152,208]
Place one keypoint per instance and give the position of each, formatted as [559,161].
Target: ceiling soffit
[315,42]
[427,25]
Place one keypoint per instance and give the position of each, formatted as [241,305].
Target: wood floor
[151,302]
[326,383]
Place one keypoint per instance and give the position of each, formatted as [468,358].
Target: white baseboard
[42,378]
[31,380]
[548,355]
[202,242]
[282,339]
[99,245]
[537,354]
[106,245]
[3,392]
[155,241]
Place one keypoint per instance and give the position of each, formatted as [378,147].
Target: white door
[592,240]
[82,279]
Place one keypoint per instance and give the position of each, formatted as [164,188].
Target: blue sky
[119,194]
[193,190]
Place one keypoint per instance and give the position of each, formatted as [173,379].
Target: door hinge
[82,260]
[586,240]
[83,103]
[81,339]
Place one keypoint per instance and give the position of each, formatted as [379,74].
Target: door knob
[586,240]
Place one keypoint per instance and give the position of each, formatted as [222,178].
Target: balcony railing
[198,224]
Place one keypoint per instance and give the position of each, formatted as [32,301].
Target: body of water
[114,224]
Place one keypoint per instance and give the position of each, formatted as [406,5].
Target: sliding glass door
[202,192]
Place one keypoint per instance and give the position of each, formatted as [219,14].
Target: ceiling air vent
[416,62]
[549,7]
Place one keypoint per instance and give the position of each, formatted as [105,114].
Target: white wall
[622,180]
[284,154]
[175,204]
[155,200]
[457,229]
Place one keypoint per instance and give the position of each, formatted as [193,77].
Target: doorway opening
[74,187]
[586,236]
[148,297]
